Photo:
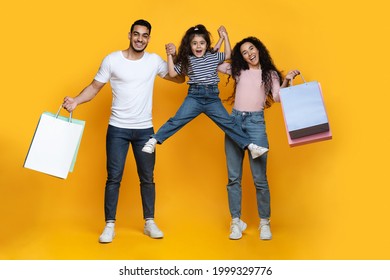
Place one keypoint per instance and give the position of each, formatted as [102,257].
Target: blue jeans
[254,125]
[117,146]
[203,99]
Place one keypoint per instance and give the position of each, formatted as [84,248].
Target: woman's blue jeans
[254,125]
[118,141]
[203,99]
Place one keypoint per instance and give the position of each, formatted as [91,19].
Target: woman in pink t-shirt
[256,86]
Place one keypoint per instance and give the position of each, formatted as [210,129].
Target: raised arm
[171,52]
[87,94]
[218,45]
[225,38]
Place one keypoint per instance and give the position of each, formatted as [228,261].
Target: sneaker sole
[266,238]
[154,236]
[235,238]
[104,241]
[146,150]
[258,155]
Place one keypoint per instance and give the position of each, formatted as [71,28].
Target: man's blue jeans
[203,99]
[254,125]
[118,141]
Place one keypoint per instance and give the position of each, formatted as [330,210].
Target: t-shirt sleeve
[177,68]
[162,67]
[221,57]
[104,74]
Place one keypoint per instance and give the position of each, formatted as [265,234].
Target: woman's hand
[292,74]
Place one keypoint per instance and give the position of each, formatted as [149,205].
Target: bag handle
[58,112]
[303,79]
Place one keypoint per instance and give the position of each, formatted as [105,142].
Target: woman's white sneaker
[256,151]
[236,228]
[265,230]
[150,146]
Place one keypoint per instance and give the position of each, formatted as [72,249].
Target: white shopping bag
[55,145]
[304,113]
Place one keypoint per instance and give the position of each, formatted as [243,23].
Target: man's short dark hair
[141,22]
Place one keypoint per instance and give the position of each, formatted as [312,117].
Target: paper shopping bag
[55,145]
[304,114]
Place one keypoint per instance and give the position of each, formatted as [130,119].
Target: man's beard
[137,50]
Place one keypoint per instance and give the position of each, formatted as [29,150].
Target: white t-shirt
[132,83]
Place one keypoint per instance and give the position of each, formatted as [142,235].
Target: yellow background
[330,200]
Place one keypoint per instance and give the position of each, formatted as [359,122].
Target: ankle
[264,221]
[110,223]
[149,221]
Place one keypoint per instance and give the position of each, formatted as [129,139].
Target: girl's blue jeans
[254,125]
[118,141]
[203,99]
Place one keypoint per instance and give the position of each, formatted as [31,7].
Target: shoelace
[235,227]
[261,226]
[108,231]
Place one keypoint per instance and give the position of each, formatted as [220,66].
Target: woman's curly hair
[185,51]
[266,63]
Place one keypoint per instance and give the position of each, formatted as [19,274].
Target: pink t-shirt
[250,92]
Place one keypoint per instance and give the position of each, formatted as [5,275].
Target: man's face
[139,38]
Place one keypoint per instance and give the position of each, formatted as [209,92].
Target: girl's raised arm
[227,48]
[171,52]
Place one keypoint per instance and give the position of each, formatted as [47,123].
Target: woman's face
[250,54]
[198,46]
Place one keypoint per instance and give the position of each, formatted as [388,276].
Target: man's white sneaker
[265,230]
[236,229]
[108,233]
[151,229]
[256,151]
[150,146]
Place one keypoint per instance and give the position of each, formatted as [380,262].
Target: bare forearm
[223,37]
[217,46]
[87,94]
[171,67]
[227,47]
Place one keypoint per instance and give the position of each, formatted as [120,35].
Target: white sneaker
[256,151]
[265,230]
[236,229]
[150,146]
[108,233]
[151,229]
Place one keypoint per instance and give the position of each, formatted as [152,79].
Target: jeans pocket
[257,119]
[193,90]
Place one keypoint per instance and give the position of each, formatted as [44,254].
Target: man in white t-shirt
[131,73]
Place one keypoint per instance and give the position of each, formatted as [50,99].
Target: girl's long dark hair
[268,69]
[184,51]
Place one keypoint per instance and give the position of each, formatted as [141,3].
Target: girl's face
[250,54]
[198,46]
